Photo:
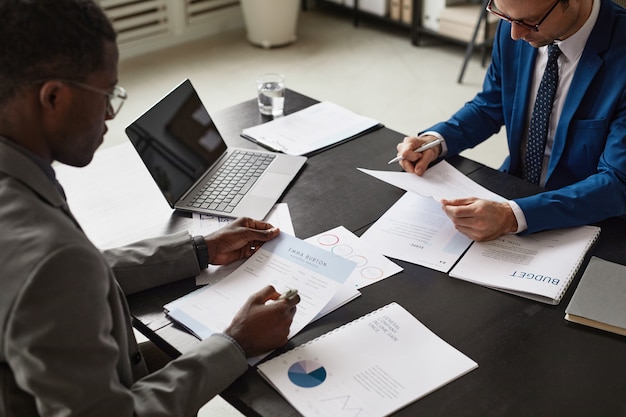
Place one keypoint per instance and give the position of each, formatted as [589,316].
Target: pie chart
[306,374]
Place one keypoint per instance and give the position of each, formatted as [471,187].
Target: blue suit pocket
[602,124]
[586,142]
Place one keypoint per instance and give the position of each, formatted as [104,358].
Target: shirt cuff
[444,147]
[519,216]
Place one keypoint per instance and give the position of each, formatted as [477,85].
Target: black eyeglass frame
[528,26]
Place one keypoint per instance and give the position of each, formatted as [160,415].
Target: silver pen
[422,148]
[289,294]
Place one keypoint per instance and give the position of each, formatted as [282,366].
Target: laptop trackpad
[271,185]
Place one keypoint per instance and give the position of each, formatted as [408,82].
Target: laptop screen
[177,141]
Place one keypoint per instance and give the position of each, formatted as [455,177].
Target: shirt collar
[572,47]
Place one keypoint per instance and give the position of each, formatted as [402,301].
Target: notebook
[539,266]
[189,160]
[600,298]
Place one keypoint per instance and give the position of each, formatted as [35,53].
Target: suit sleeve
[67,341]
[153,262]
[601,195]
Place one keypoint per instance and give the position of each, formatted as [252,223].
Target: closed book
[395,9]
[407,11]
[600,298]
[459,22]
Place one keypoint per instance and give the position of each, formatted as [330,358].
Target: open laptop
[186,156]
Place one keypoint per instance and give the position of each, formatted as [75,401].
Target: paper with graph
[370,367]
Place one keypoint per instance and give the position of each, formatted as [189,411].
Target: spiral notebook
[369,367]
[538,266]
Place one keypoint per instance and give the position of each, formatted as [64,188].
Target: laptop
[194,168]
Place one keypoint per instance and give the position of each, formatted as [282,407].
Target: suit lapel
[526,57]
[588,66]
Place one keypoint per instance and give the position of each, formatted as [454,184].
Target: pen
[289,294]
[422,148]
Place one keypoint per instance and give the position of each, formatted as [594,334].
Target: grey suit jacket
[67,343]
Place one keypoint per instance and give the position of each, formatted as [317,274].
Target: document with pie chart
[370,367]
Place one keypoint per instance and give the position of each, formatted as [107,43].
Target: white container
[431,12]
[271,22]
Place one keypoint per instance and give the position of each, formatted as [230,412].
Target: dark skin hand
[261,326]
[238,240]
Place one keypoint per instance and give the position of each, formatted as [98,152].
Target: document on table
[415,229]
[539,266]
[285,262]
[441,181]
[204,224]
[371,265]
[314,128]
[370,367]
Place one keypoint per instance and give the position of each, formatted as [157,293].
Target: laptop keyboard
[232,181]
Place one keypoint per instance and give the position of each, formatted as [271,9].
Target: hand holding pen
[425,146]
[412,153]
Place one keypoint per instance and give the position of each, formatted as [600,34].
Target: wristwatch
[202,252]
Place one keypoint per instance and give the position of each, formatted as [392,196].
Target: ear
[52,95]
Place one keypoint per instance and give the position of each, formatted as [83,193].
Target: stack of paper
[286,263]
[317,127]
[415,229]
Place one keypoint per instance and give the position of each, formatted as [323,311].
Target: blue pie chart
[306,374]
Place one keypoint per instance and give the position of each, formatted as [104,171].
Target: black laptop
[195,170]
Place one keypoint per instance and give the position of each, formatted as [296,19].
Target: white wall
[147,25]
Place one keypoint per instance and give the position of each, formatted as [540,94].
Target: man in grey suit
[67,345]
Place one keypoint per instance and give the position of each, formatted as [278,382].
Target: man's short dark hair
[44,39]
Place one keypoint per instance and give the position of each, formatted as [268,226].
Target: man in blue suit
[584,161]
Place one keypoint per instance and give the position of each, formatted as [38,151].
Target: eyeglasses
[115,97]
[534,28]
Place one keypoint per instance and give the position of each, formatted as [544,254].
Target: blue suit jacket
[586,178]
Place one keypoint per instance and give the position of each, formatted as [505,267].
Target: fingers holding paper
[417,162]
[238,240]
[479,219]
[261,326]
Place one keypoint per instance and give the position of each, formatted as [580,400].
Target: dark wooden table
[531,361]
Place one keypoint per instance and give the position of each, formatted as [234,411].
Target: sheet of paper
[372,266]
[370,367]
[285,262]
[441,181]
[415,229]
[315,127]
[204,224]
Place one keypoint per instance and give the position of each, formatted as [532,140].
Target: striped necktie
[540,120]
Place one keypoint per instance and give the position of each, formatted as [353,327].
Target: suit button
[136,358]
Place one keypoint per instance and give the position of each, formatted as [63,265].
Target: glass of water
[271,89]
